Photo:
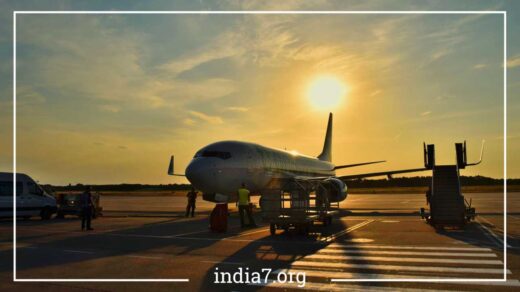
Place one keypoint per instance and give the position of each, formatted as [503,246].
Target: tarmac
[377,242]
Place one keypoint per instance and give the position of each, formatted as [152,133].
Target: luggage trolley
[297,204]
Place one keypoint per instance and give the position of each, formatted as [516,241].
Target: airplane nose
[200,174]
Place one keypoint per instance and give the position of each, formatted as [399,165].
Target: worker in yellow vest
[243,206]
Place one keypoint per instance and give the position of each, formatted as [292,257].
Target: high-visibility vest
[243,197]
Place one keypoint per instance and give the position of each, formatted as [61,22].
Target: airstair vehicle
[448,207]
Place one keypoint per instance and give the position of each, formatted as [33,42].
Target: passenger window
[6,188]
[34,189]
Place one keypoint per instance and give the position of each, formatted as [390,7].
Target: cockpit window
[209,153]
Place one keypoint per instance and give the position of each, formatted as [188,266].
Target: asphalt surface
[374,238]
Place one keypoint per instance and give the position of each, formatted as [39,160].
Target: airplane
[219,169]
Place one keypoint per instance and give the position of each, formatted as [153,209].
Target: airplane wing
[357,164]
[386,173]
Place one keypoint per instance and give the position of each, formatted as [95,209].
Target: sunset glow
[326,92]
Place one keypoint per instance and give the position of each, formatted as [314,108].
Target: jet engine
[336,189]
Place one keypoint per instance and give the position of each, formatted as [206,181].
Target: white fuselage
[220,168]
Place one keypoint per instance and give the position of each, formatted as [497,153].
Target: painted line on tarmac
[313,286]
[314,264]
[252,232]
[490,234]
[223,263]
[367,246]
[402,259]
[348,230]
[78,251]
[345,276]
[143,257]
[486,221]
[412,253]
[490,223]
[140,235]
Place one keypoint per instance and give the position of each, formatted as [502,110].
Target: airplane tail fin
[326,153]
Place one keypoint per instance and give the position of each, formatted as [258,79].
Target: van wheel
[46,213]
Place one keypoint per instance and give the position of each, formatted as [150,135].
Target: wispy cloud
[207,118]
[376,92]
[109,108]
[237,109]
[439,54]
[513,62]
[479,66]
[188,122]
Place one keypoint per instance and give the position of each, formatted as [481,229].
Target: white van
[31,199]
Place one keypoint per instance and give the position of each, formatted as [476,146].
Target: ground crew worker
[86,209]
[243,206]
[192,198]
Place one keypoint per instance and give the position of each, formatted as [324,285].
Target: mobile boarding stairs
[448,207]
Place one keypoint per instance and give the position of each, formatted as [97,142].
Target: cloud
[479,66]
[215,120]
[109,108]
[376,92]
[439,54]
[27,96]
[425,113]
[237,109]
[513,62]
[188,122]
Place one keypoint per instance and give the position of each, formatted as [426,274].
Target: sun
[326,92]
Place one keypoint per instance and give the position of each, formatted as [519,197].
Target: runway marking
[339,276]
[78,251]
[143,257]
[405,202]
[141,235]
[337,287]
[348,230]
[337,245]
[490,234]
[404,260]
[249,233]
[487,221]
[419,253]
[390,221]
[223,263]
[303,263]
[201,231]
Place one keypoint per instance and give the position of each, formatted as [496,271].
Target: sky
[108,98]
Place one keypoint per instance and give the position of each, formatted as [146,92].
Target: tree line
[416,181]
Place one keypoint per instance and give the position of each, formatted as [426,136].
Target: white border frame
[399,12]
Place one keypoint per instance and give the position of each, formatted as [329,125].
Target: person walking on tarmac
[243,206]
[192,198]
[86,209]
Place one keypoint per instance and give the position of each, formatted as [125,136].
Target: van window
[6,188]
[34,189]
